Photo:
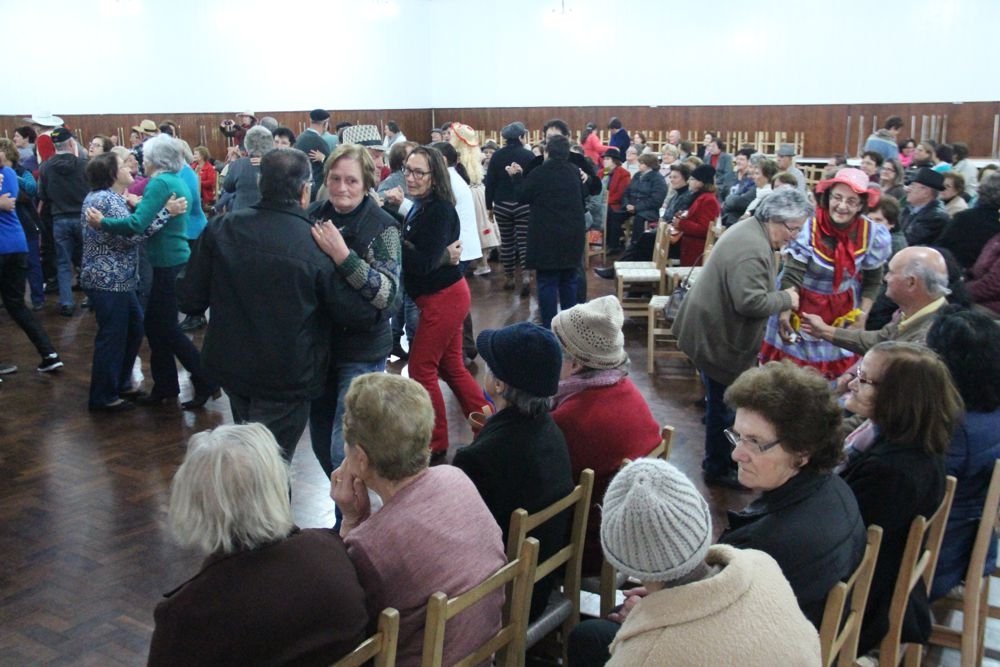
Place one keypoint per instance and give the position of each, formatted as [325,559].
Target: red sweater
[598,437]
[620,178]
[700,216]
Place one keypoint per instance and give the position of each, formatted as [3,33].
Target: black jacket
[521,461]
[968,232]
[812,527]
[646,193]
[275,298]
[310,140]
[556,227]
[62,185]
[894,484]
[926,225]
[593,185]
[499,185]
[426,236]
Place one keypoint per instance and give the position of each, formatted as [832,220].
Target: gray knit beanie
[655,525]
[592,332]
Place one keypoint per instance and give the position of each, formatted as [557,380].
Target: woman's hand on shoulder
[330,241]
[176,205]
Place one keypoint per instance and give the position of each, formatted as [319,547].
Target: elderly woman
[896,466]
[615,179]
[645,194]
[98,145]
[519,458]
[891,178]
[363,242]
[168,252]
[968,344]
[692,225]
[721,322]
[594,392]
[208,177]
[268,592]
[836,266]
[439,290]
[786,440]
[632,160]
[656,528]
[109,273]
[951,196]
[433,532]
[761,172]
[241,179]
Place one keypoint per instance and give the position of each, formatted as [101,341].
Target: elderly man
[924,217]
[275,298]
[312,143]
[917,280]
[721,323]
[786,162]
[674,138]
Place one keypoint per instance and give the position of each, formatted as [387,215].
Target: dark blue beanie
[525,356]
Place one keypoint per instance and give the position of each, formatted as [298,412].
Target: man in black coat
[312,140]
[924,217]
[275,298]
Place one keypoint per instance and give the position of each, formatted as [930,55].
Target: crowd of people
[845,339]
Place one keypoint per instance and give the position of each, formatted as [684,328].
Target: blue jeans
[718,417]
[119,335]
[326,414]
[166,340]
[556,289]
[69,239]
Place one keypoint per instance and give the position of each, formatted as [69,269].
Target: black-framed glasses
[415,173]
[735,439]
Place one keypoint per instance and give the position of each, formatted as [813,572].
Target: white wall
[226,55]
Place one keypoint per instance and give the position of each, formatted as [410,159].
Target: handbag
[678,295]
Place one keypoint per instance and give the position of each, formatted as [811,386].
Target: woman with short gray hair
[168,252]
[268,592]
[241,179]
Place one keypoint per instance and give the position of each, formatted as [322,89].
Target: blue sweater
[12,238]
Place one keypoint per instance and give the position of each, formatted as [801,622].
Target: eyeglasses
[863,379]
[735,439]
[853,202]
[793,230]
[415,173]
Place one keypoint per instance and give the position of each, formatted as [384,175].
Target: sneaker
[50,363]
[482,270]
[7,369]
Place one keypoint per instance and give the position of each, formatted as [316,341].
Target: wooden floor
[86,553]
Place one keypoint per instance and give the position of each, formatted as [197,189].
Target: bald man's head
[916,276]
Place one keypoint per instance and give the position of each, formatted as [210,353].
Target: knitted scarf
[574,384]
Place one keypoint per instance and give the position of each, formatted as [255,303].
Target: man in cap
[61,189]
[924,217]
[146,130]
[786,162]
[311,143]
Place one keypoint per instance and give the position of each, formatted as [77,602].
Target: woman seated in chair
[695,222]
[267,593]
[433,532]
[896,467]
[519,458]
[600,411]
[969,345]
[786,440]
[699,605]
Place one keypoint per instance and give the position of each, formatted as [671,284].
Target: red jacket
[208,177]
[700,216]
[620,179]
[593,148]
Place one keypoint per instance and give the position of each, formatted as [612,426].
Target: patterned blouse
[110,262]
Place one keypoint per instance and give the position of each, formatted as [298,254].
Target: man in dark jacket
[62,187]
[924,217]
[275,297]
[556,227]
[310,141]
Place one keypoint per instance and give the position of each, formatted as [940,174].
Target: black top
[499,186]
[556,226]
[431,226]
[968,232]
[62,185]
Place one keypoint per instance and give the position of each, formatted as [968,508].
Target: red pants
[437,350]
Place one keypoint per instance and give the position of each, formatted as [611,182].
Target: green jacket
[169,246]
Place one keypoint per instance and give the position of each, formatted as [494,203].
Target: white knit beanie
[592,332]
[655,525]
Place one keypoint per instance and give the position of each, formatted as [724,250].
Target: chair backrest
[711,237]
[918,563]
[508,642]
[661,250]
[381,646]
[986,533]
[571,555]
[662,450]
[838,634]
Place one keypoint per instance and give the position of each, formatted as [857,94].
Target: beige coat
[721,323]
[744,615]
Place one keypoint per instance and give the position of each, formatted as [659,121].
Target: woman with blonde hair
[268,592]
[466,143]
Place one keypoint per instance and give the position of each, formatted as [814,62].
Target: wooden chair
[838,635]
[647,282]
[974,603]
[610,581]
[659,337]
[661,237]
[381,646]
[918,563]
[508,642]
[563,609]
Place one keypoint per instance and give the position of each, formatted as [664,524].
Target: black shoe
[120,406]
[398,351]
[132,394]
[51,287]
[201,398]
[67,311]
[728,479]
[155,400]
[50,363]
[608,273]
[193,323]
[526,289]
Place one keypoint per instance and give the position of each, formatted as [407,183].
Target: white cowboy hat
[44,119]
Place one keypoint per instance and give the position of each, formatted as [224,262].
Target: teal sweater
[169,246]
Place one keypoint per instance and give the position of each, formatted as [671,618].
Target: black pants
[589,642]
[13,270]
